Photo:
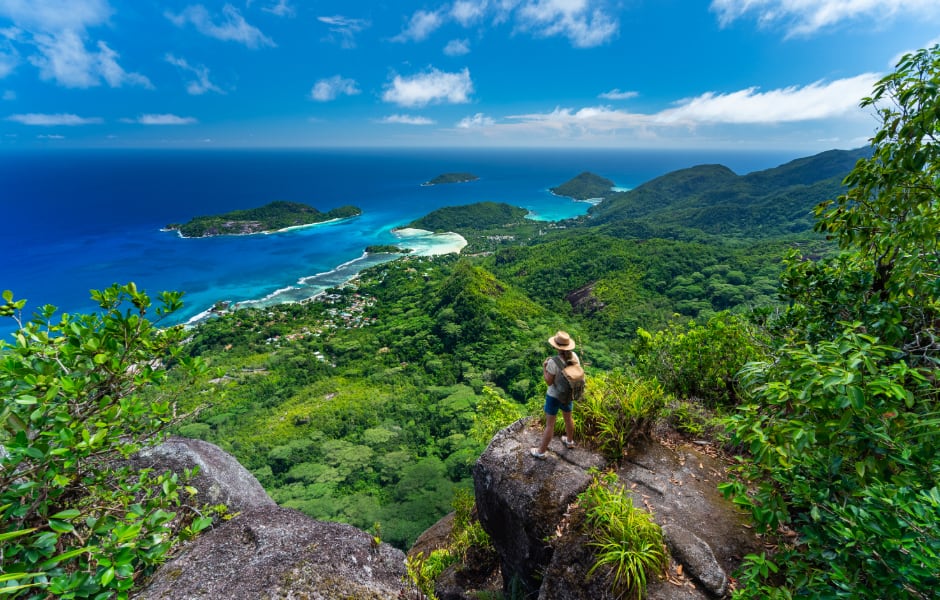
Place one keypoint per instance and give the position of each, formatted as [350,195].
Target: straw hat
[562,341]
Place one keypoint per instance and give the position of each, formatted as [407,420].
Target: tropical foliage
[627,542]
[76,521]
[842,425]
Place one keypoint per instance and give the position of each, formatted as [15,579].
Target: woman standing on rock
[559,396]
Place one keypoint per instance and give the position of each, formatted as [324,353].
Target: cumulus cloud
[58,33]
[201,84]
[581,21]
[331,88]
[805,17]
[53,120]
[422,24]
[407,120]
[344,29]
[164,119]
[477,121]
[430,87]
[281,9]
[616,94]
[50,136]
[468,12]
[457,47]
[231,27]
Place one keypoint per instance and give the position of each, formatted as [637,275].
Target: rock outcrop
[523,503]
[221,479]
[265,551]
[274,552]
[521,499]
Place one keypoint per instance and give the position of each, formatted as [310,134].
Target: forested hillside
[715,200]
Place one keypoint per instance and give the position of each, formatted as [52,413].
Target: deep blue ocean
[76,220]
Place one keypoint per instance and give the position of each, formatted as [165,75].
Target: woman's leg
[549,432]
[569,425]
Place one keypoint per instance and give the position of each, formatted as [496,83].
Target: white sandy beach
[427,243]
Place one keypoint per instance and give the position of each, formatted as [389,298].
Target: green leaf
[70,513]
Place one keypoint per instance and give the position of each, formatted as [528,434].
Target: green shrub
[687,417]
[700,361]
[467,532]
[75,520]
[625,539]
[841,425]
[615,409]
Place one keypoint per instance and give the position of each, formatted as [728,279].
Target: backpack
[571,382]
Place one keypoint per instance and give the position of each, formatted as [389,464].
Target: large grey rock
[703,530]
[273,552]
[221,478]
[521,499]
[523,504]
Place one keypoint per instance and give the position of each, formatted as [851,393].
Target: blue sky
[723,74]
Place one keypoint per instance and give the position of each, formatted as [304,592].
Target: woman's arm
[546,375]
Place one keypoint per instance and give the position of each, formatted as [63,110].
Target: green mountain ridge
[715,200]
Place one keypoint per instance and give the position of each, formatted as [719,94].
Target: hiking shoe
[569,444]
[539,455]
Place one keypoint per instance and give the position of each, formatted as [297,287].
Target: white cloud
[821,102]
[47,120]
[817,100]
[58,30]
[281,9]
[344,29]
[9,95]
[328,89]
[433,86]
[457,47]
[616,94]
[582,23]
[232,27]
[804,17]
[164,119]
[468,12]
[9,57]
[407,120]
[50,136]
[113,73]
[55,15]
[422,24]
[477,121]
[201,84]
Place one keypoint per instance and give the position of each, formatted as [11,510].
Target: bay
[77,220]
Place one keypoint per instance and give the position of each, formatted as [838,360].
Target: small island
[387,249]
[266,219]
[471,217]
[586,186]
[452,178]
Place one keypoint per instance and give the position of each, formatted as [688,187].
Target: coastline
[591,201]
[272,232]
[308,288]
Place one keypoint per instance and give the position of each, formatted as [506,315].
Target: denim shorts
[552,406]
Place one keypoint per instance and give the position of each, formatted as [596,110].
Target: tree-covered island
[452,178]
[265,219]
[387,249]
[586,186]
